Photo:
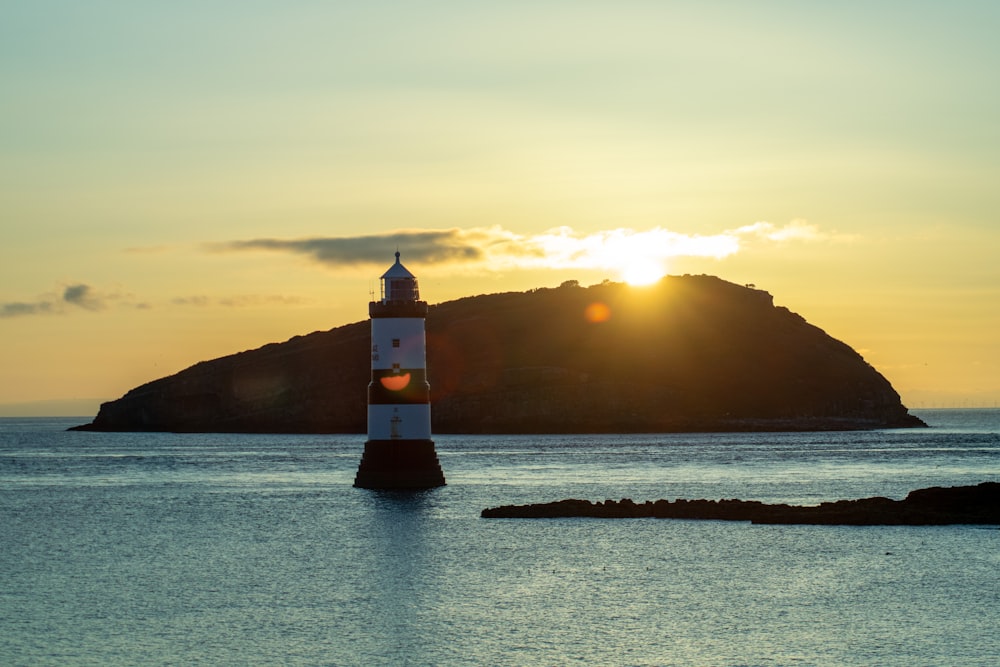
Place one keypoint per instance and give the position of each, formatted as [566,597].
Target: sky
[184,180]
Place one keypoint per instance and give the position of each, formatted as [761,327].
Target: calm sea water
[166,549]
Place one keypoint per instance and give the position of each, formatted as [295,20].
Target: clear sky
[183,180]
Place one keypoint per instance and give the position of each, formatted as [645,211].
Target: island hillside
[692,353]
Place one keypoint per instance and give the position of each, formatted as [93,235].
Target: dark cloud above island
[447,245]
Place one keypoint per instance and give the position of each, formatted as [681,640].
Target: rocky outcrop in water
[693,353]
[933,506]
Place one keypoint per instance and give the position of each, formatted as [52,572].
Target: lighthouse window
[395,342]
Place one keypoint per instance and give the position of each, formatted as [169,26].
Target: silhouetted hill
[691,353]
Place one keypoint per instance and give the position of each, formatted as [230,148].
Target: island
[691,353]
[934,506]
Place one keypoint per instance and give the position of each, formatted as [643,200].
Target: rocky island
[978,504]
[692,353]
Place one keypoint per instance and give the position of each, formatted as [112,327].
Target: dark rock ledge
[935,506]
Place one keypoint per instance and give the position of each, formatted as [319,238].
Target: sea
[226,549]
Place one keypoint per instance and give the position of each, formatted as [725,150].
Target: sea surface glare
[208,549]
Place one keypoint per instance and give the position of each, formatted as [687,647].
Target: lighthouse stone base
[399,464]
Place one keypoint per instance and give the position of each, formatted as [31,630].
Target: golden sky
[184,180]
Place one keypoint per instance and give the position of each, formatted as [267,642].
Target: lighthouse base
[399,464]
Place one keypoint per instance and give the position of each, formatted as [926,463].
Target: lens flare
[395,382]
[597,312]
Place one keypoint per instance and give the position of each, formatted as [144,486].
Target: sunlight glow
[639,257]
[642,272]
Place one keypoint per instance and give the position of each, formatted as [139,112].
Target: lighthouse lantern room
[399,453]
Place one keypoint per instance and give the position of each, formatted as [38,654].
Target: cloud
[796,230]
[77,295]
[239,300]
[256,300]
[148,250]
[430,246]
[564,248]
[191,301]
[18,308]
[83,296]
[496,248]
[469,250]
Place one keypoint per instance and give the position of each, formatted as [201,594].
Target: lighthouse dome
[398,284]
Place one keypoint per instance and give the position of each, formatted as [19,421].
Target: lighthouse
[399,453]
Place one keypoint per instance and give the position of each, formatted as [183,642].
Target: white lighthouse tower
[399,453]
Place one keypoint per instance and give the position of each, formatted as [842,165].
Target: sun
[642,272]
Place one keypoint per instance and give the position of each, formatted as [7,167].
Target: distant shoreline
[83,408]
[82,418]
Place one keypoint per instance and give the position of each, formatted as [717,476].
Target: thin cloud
[199,301]
[256,300]
[430,246]
[496,248]
[471,250]
[148,250]
[796,230]
[564,248]
[21,309]
[77,295]
[239,301]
